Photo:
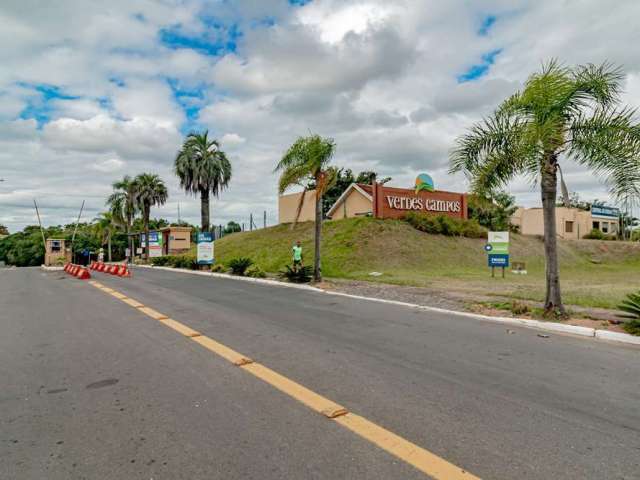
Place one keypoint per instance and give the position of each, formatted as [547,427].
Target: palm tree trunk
[317,274]
[145,214]
[549,184]
[299,209]
[129,239]
[204,209]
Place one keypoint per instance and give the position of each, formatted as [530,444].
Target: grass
[593,273]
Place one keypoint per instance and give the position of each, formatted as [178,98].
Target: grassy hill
[593,273]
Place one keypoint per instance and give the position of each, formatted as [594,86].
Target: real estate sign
[205,248]
[155,243]
[498,249]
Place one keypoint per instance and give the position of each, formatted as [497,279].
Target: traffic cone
[121,270]
[100,267]
[113,270]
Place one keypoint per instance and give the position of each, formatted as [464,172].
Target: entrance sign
[497,248]
[391,202]
[155,244]
[205,248]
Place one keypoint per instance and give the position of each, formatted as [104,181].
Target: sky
[91,91]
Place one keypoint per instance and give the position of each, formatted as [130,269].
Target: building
[55,252]
[377,200]
[167,241]
[571,223]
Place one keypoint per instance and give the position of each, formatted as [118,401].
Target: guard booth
[55,252]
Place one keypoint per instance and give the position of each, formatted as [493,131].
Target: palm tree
[307,160]
[150,190]
[122,205]
[562,113]
[202,169]
[104,229]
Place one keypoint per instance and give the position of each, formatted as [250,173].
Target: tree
[561,113]
[4,230]
[105,226]
[150,190]
[122,205]
[202,169]
[232,227]
[308,160]
[493,211]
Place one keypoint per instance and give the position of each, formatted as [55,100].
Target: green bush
[445,225]
[301,275]
[255,271]
[161,261]
[185,261]
[632,327]
[239,265]
[596,234]
[218,268]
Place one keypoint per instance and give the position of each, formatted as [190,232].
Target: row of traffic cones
[121,269]
[77,271]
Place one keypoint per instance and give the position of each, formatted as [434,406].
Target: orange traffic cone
[83,273]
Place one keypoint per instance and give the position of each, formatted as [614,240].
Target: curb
[51,269]
[522,322]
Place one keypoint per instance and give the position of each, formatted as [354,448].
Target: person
[297,256]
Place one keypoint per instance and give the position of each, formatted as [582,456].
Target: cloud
[90,94]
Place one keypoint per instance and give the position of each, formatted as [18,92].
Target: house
[571,223]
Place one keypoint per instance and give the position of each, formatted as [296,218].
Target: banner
[205,248]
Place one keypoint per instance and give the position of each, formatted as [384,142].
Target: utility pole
[44,242]
[264,219]
[179,212]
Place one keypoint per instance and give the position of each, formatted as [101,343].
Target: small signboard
[205,248]
[499,260]
[497,248]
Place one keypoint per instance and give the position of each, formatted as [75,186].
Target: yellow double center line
[423,460]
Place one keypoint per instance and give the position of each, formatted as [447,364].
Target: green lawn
[593,273]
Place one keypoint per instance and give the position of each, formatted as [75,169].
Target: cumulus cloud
[89,93]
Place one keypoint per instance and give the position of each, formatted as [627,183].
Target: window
[605,227]
[596,225]
[55,245]
[568,227]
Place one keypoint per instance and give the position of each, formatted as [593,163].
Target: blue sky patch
[480,69]
[38,106]
[486,25]
[299,3]
[191,100]
[217,39]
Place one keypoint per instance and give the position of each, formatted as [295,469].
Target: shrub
[255,271]
[160,261]
[218,268]
[301,275]
[632,327]
[185,261]
[596,234]
[239,265]
[445,225]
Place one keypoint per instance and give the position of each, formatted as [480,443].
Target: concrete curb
[522,322]
[51,269]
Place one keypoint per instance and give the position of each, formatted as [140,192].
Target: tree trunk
[299,209]
[145,213]
[129,239]
[549,183]
[109,246]
[317,274]
[204,209]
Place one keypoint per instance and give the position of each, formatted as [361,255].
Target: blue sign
[605,211]
[205,237]
[498,259]
[205,248]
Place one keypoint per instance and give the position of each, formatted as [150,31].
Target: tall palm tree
[562,113]
[122,205]
[150,190]
[202,169]
[307,160]
[104,229]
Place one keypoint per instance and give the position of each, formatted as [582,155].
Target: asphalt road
[92,388]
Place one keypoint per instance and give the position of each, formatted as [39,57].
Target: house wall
[354,205]
[571,223]
[288,205]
